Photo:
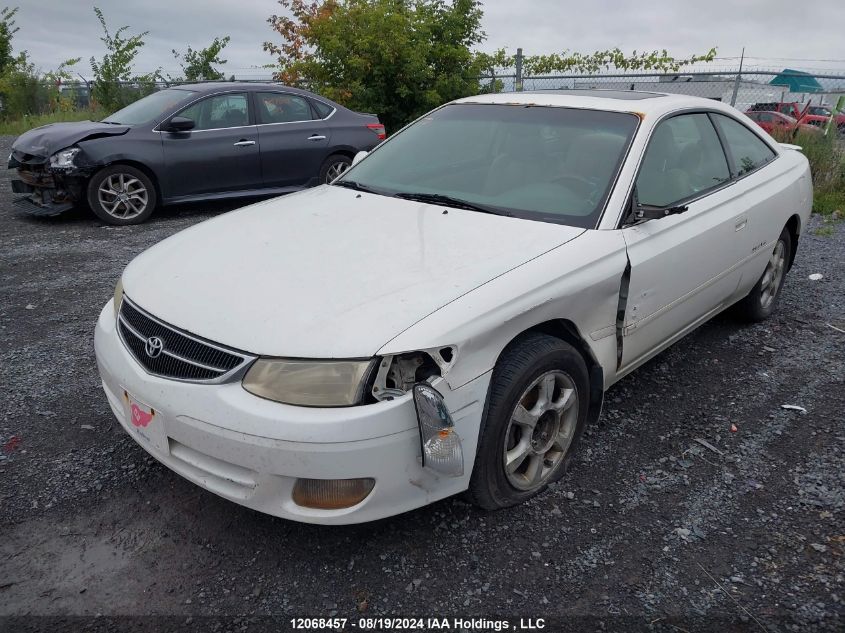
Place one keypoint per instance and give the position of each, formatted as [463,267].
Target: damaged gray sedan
[187,144]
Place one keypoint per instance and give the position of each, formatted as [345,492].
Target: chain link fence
[794,93]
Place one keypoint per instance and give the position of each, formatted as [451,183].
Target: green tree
[200,64]
[398,58]
[7,31]
[114,71]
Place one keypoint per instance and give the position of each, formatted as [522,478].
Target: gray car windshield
[152,108]
[541,163]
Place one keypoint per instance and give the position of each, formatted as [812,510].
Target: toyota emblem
[154,347]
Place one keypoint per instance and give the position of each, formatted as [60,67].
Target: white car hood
[327,272]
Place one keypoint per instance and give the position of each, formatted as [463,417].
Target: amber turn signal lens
[331,494]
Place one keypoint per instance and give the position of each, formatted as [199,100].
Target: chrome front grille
[176,354]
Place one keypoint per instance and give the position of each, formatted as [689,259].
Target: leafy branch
[571,61]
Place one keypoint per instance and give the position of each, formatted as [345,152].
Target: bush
[826,155]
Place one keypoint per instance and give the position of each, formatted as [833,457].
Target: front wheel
[536,410]
[760,303]
[121,195]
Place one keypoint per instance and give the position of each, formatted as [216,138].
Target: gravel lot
[651,529]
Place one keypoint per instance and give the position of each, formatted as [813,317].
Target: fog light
[331,494]
[441,445]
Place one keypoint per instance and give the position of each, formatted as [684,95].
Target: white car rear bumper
[252,451]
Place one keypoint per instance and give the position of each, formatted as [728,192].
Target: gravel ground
[651,529]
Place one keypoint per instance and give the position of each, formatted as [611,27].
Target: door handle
[316,137]
[244,143]
[740,224]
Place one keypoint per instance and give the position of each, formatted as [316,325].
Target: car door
[220,154]
[294,142]
[684,267]
[754,191]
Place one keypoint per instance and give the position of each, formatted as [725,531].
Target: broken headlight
[397,375]
[64,159]
[309,383]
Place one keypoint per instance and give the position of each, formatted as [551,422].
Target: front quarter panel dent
[579,282]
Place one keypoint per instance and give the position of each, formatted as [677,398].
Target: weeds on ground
[827,165]
[27,122]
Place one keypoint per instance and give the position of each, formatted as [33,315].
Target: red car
[815,115]
[771,121]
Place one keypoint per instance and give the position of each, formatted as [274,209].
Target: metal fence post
[518,80]
[738,78]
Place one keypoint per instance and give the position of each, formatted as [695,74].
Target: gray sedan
[186,144]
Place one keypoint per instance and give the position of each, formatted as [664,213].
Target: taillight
[378,128]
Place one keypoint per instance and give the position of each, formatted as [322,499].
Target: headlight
[310,383]
[118,297]
[64,158]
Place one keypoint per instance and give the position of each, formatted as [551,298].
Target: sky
[775,33]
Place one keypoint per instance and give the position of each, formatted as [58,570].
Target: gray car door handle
[316,137]
[244,143]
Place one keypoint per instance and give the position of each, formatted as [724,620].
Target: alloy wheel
[773,275]
[336,170]
[123,196]
[540,431]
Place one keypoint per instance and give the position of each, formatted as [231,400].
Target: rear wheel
[760,303]
[121,195]
[536,410]
[334,166]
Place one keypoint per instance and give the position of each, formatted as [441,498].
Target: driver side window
[684,158]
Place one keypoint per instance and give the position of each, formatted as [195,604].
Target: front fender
[578,281]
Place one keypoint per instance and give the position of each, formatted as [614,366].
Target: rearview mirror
[179,124]
[359,157]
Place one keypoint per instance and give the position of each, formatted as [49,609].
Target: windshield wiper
[439,198]
[357,186]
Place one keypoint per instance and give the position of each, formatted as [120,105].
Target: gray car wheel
[761,302]
[335,166]
[121,194]
[536,409]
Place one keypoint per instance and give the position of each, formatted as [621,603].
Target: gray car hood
[37,145]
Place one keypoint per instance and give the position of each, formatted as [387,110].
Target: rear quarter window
[322,109]
[748,150]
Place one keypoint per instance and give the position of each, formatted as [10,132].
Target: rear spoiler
[797,148]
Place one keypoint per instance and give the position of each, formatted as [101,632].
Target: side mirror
[179,124]
[359,157]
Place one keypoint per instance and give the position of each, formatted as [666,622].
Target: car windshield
[151,108]
[819,111]
[541,163]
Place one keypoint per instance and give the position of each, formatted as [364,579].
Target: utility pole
[518,81]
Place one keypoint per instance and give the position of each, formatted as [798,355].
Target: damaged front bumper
[44,191]
[258,453]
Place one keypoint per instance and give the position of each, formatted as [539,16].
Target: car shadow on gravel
[81,215]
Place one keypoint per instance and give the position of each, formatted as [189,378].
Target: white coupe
[447,315]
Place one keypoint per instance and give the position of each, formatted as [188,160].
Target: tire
[761,302]
[122,195]
[518,379]
[334,166]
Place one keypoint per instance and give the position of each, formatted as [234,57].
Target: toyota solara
[446,316]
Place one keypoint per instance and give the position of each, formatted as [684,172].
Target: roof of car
[636,101]
[218,86]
